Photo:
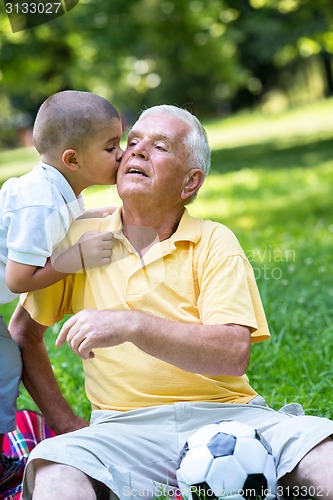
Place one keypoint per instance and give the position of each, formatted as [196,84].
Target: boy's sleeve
[33,233]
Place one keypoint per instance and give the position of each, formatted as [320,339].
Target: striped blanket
[30,430]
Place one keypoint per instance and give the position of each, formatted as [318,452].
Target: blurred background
[214,57]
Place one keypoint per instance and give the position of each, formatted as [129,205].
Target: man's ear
[193,180]
[69,159]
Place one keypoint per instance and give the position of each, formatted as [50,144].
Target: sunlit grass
[16,162]
[315,119]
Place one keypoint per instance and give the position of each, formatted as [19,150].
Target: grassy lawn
[271,183]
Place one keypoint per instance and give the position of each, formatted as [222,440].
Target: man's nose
[140,150]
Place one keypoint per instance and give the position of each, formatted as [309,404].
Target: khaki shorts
[135,453]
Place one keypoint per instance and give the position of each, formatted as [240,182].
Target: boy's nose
[120,154]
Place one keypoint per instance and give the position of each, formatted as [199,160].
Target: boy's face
[100,157]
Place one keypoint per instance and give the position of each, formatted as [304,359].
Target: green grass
[16,162]
[271,183]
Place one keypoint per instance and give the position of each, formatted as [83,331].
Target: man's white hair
[196,142]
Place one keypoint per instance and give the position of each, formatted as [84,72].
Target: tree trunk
[327,62]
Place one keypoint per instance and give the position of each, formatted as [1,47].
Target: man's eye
[133,142]
[160,147]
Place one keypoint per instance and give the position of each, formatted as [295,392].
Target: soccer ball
[226,460]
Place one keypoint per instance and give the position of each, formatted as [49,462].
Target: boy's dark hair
[67,119]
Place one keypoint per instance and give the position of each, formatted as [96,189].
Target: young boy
[77,135]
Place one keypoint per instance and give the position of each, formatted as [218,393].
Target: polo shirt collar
[75,204]
[189,228]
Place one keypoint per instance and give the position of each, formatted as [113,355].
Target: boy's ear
[193,180]
[69,159]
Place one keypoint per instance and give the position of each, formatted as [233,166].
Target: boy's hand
[97,213]
[95,249]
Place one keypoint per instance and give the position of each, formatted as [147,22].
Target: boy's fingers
[108,236]
[104,236]
[90,234]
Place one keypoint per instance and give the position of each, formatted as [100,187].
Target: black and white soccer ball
[226,460]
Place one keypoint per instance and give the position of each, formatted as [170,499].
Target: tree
[179,52]
[282,36]
[205,55]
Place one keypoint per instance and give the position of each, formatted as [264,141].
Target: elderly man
[164,332]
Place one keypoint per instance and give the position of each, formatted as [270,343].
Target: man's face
[154,164]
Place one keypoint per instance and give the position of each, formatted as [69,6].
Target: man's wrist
[136,324]
[65,421]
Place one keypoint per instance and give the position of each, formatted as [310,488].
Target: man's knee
[45,468]
[312,476]
[63,480]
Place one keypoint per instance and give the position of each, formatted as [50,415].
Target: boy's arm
[38,376]
[93,249]
[24,278]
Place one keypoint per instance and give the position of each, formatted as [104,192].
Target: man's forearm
[38,376]
[211,349]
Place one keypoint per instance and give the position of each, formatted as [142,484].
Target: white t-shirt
[36,212]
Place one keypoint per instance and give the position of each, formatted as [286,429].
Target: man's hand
[91,329]
[74,423]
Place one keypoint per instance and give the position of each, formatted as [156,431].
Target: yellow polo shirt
[200,275]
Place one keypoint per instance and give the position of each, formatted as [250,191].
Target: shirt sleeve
[228,291]
[33,233]
[49,305]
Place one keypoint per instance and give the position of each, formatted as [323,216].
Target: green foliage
[206,56]
[271,184]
